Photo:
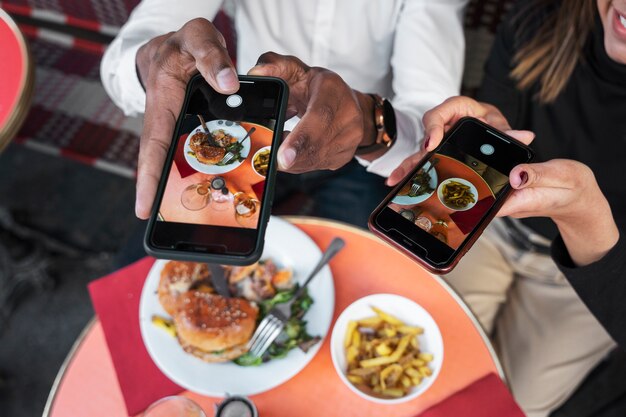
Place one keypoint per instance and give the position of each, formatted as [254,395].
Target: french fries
[383,355]
[165,324]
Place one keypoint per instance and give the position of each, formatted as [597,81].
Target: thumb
[524,136]
[286,153]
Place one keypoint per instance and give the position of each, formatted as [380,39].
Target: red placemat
[116,301]
[486,397]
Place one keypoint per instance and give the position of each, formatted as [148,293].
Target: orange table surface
[87,386]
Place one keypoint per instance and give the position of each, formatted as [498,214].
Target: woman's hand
[563,190]
[567,192]
[439,119]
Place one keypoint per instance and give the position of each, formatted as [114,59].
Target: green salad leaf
[293,335]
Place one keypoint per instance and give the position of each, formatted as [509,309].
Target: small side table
[17,80]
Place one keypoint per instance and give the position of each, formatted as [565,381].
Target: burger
[212,327]
[179,277]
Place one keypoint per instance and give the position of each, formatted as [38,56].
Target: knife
[218,279]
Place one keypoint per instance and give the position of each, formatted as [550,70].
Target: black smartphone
[215,194]
[439,210]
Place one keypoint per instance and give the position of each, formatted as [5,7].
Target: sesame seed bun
[176,279]
[213,327]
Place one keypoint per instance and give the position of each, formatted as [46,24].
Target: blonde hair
[553,52]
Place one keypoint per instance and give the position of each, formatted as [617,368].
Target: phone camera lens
[234,100]
[487,149]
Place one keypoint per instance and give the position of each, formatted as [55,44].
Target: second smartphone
[437,212]
[216,190]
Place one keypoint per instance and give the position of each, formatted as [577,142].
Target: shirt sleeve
[600,285]
[149,19]
[427,66]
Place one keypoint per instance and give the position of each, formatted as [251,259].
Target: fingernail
[523,178]
[227,79]
[426,141]
[286,158]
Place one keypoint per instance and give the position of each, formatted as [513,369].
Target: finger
[206,45]
[493,117]
[286,155]
[521,203]
[291,70]
[330,128]
[450,111]
[163,105]
[524,136]
[405,168]
[557,173]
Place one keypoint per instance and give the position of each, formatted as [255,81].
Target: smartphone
[439,210]
[215,194]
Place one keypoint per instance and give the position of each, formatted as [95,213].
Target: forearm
[423,77]
[589,236]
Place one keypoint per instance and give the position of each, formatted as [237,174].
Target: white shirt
[410,51]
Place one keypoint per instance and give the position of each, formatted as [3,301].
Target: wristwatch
[385,122]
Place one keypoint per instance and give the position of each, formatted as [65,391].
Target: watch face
[390,120]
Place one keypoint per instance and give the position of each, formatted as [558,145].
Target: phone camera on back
[234,100]
[487,149]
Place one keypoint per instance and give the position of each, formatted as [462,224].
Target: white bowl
[404,309]
[265,148]
[473,190]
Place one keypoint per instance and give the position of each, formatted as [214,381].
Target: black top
[587,123]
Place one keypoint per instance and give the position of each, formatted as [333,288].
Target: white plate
[289,247]
[473,190]
[235,130]
[406,310]
[405,200]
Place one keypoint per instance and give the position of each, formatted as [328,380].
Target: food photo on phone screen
[450,194]
[220,162]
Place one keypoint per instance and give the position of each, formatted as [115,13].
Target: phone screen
[215,186]
[439,207]
[450,194]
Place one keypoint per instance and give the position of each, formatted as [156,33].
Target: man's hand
[335,119]
[165,65]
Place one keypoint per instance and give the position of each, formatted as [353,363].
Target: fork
[276,319]
[414,188]
[230,155]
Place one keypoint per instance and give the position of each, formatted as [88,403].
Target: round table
[86,384]
[16,83]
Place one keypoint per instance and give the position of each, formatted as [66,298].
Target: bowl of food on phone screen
[457,194]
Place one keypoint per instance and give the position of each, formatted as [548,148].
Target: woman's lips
[619,24]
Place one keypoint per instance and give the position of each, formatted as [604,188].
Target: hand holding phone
[439,209]
[165,64]
[214,197]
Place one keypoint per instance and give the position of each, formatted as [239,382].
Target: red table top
[87,386]
[15,70]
